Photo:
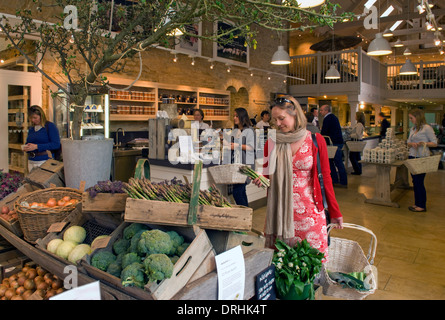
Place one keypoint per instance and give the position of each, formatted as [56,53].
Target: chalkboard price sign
[265,284]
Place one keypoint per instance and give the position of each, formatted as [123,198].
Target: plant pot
[86,160]
[307,293]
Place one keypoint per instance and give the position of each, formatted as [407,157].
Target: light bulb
[175,59]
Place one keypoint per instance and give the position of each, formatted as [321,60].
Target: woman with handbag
[357,134]
[421,136]
[295,206]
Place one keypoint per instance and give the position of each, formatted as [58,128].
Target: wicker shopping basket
[332,150]
[356,146]
[227,174]
[347,256]
[35,220]
[423,165]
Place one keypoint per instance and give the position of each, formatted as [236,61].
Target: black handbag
[323,193]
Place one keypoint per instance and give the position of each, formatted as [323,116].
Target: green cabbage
[64,249]
[53,244]
[78,252]
[75,234]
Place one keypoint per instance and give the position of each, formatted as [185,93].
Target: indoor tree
[90,38]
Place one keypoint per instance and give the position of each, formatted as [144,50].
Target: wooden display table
[383,187]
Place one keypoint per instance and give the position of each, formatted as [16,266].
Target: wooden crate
[225,240]
[9,201]
[157,138]
[197,259]
[104,202]
[94,224]
[49,173]
[11,262]
[236,218]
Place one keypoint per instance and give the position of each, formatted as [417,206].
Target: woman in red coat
[295,209]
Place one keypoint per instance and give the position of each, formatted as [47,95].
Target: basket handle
[372,246]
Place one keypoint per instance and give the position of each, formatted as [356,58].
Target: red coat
[334,210]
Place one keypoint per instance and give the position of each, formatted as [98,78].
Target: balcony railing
[430,75]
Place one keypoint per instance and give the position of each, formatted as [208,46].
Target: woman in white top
[421,136]
[198,115]
[357,134]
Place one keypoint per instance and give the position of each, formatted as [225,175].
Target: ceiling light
[175,59]
[193,61]
[388,33]
[309,3]
[332,73]
[407,52]
[428,25]
[379,46]
[420,9]
[408,68]
[280,57]
[437,42]
[398,43]
[228,68]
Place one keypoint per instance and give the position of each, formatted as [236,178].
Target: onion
[27,294]
[13,277]
[14,284]
[57,283]
[50,293]
[9,293]
[25,269]
[60,290]
[29,284]
[20,290]
[42,286]
[16,297]
[31,273]
[21,280]
[66,198]
[40,292]
[3,289]
[41,271]
[52,202]
[5,282]
[38,279]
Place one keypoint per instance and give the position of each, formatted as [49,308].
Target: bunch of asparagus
[265,183]
[173,191]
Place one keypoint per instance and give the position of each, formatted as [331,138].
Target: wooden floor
[410,256]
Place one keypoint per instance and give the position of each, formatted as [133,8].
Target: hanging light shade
[332,73]
[379,46]
[398,43]
[388,33]
[310,3]
[407,52]
[280,56]
[408,68]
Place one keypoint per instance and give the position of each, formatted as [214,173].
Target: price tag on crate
[56,227]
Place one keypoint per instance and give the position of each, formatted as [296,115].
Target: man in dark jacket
[331,127]
[384,125]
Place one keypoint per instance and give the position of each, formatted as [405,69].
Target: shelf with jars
[135,104]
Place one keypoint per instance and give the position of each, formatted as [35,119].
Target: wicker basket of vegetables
[41,208]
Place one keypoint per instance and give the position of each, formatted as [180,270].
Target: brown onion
[40,292]
[27,294]
[21,280]
[41,271]
[3,289]
[5,282]
[20,290]
[13,277]
[60,290]
[42,286]
[9,293]
[25,269]
[16,297]
[57,283]
[14,284]
[29,284]
[31,273]
[50,293]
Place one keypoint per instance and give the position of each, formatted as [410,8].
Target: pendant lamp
[332,73]
[388,33]
[379,46]
[309,3]
[408,68]
[280,57]
[407,52]
[398,43]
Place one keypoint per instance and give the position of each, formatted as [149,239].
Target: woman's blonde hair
[420,118]
[293,108]
[35,109]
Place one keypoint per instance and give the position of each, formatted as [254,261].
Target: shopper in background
[265,118]
[421,137]
[295,209]
[314,112]
[43,138]
[357,132]
[243,151]
[331,128]
[384,125]
[310,124]
[198,115]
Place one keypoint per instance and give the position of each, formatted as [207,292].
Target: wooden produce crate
[197,259]
[49,173]
[95,225]
[236,218]
[9,201]
[225,240]
[104,202]
[11,262]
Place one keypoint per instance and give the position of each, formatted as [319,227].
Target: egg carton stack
[388,150]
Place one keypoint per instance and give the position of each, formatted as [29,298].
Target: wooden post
[193,207]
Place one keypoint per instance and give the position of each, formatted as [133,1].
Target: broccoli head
[129,258]
[181,249]
[155,241]
[114,269]
[133,275]
[102,260]
[158,267]
[134,241]
[121,246]
[132,229]
[177,240]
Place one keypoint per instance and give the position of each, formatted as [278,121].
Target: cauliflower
[177,240]
[158,267]
[132,229]
[133,275]
[102,260]
[129,258]
[155,241]
[121,246]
